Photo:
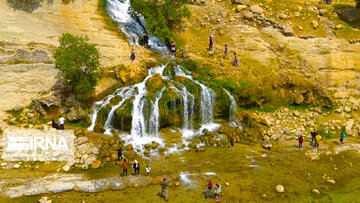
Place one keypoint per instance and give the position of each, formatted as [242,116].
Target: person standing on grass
[217,191]
[236,60]
[148,169]
[119,151]
[62,122]
[301,140]
[164,191]
[211,43]
[124,163]
[208,190]
[342,137]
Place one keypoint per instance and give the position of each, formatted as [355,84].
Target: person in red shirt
[208,190]
[301,140]
[124,167]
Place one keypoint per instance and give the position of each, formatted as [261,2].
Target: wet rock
[316,191]
[256,9]
[129,147]
[192,145]
[154,145]
[248,15]
[279,189]
[212,141]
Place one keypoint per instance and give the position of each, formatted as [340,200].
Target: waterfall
[132,24]
[188,103]
[232,107]
[97,106]
[154,121]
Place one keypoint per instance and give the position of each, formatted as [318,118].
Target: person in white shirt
[148,169]
[61,122]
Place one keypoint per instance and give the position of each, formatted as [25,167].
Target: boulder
[350,14]
[47,105]
[282,16]
[256,9]
[316,191]
[266,144]
[348,126]
[59,186]
[129,147]
[76,114]
[240,8]
[315,23]
[192,145]
[279,189]
[117,183]
[242,2]
[154,145]
[248,15]
[81,140]
[331,181]
[44,200]
[289,31]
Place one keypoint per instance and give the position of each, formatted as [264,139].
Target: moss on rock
[123,116]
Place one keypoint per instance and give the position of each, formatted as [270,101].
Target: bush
[161,15]
[78,61]
[357,4]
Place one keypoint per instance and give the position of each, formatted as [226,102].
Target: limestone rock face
[76,114]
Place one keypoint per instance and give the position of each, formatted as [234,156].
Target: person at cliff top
[342,137]
[132,57]
[226,50]
[124,167]
[301,140]
[211,43]
[217,191]
[173,48]
[317,140]
[208,190]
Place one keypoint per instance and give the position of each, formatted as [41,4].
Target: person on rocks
[182,54]
[136,167]
[211,43]
[164,191]
[146,39]
[61,122]
[133,55]
[236,60]
[226,51]
[119,151]
[124,163]
[301,140]
[313,135]
[148,170]
[317,140]
[173,48]
[54,124]
[217,191]
[208,190]
[342,137]
[231,143]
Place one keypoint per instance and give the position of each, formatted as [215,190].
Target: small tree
[78,61]
[161,15]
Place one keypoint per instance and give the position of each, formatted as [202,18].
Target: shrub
[78,61]
[161,15]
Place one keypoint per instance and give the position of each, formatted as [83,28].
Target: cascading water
[144,129]
[132,24]
[232,107]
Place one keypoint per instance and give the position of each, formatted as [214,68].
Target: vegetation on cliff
[161,15]
[78,62]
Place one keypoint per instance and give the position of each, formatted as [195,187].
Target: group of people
[217,190]
[135,166]
[315,139]
[226,51]
[60,125]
